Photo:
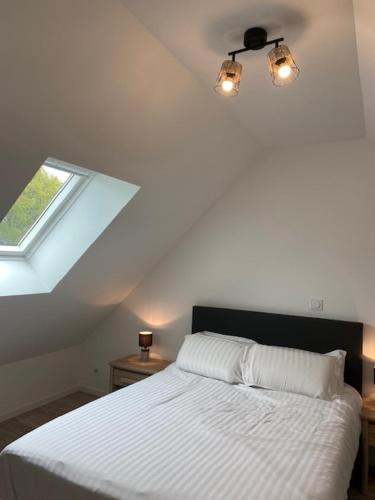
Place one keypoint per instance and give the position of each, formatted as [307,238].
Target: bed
[182,436]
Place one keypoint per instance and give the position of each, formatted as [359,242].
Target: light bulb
[228,79]
[284,71]
[281,65]
[227,85]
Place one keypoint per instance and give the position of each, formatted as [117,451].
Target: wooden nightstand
[126,371]
[368,439]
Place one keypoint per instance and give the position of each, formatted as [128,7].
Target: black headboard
[300,332]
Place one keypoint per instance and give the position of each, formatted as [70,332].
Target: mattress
[180,436]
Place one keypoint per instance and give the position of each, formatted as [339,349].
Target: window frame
[54,211]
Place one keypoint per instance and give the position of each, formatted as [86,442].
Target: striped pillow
[212,357]
[229,338]
[290,370]
[339,356]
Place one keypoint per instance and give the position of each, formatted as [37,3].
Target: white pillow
[211,357]
[338,382]
[230,338]
[290,370]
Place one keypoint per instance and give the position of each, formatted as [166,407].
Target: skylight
[34,209]
[55,220]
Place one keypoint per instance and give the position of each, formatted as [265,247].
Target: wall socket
[316,305]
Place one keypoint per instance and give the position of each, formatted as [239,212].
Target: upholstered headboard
[310,334]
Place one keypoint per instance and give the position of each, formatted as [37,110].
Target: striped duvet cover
[179,436]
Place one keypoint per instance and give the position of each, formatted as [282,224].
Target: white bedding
[180,436]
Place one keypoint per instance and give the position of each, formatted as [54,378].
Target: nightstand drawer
[125,377]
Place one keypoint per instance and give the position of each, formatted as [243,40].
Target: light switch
[316,304]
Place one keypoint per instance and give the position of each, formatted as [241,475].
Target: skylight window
[36,207]
[59,215]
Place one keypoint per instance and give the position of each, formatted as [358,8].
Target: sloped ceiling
[364,13]
[323,104]
[84,82]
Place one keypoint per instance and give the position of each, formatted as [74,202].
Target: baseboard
[92,390]
[35,404]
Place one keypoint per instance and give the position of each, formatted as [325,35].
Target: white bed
[179,436]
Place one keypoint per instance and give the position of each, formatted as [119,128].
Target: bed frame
[310,334]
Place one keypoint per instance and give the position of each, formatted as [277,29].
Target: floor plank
[15,427]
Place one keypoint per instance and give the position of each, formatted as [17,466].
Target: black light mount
[254,39]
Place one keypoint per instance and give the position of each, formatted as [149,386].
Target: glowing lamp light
[145,342]
[368,349]
[227,85]
[229,77]
[281,65]
[284,71]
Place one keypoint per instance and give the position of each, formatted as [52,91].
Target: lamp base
[145,355]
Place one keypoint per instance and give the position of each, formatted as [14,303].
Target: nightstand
[368,439]
[126,371]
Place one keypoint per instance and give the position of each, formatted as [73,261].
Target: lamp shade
[229,77]
[283,69]
[145,339]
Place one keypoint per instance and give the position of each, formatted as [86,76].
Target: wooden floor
[14,428]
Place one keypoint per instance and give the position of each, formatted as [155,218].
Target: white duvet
[179,436]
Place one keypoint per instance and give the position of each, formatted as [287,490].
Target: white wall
[33,382]
[297,225]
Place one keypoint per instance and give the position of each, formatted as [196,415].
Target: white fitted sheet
[180,436]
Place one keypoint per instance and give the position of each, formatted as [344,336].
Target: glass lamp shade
[281,65]
[229,77]
[145,339]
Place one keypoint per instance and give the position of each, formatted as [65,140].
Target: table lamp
[144,342]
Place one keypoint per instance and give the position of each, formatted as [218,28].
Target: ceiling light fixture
[282,67]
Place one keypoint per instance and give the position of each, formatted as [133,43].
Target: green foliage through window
[31,204]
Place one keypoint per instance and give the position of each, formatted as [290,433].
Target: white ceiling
[324,104]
